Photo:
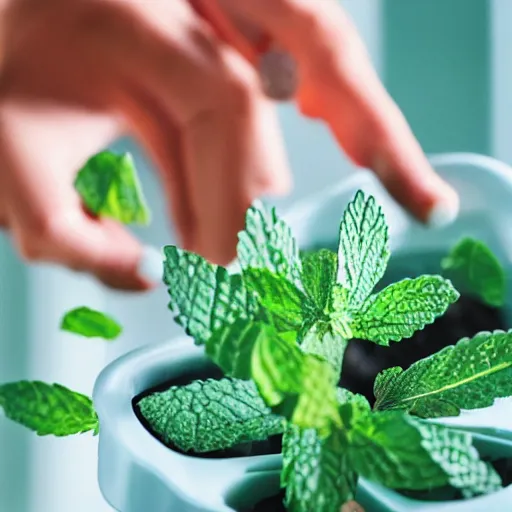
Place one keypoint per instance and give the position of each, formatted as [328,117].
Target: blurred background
[448,64]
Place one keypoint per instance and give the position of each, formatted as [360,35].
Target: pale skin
[77,74]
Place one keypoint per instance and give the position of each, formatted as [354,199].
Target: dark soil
[364,360]
[272,504]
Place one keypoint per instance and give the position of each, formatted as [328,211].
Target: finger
[339,85]
[46,215]
[232,148]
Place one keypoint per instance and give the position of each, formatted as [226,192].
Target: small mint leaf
[319,270]
[403,308]
[90,323]
[48,409]
[479,270]
[211,415]
[316,471]
[204,296]
[363,251]
[109,187]
[468,375]
[299,386]
[400,452]
[267,242]
[283,302]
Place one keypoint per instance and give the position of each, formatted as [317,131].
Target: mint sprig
[210,415]
[468,375]
[109,187]
[48,409]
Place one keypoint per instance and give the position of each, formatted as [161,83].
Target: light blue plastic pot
[137,473]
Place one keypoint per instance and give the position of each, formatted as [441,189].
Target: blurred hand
[76,74]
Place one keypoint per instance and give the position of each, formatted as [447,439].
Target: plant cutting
[278,331]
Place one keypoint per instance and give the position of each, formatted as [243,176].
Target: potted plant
[197,427]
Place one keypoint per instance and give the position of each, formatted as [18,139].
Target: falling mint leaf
[283,302]
[48,409]
[479,270]
[109,187]
[316,471]
[363,251]
[267,242]
[231,347]
[90,323]
[210,415]
[468,375]
[403,308]
[299,386]
[400,452]
[319,270]
[204,296]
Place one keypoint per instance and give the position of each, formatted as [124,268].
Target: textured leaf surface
[400,452]
[48,409]
[109,186]
[204,296]
[319,270]
[403,308]
[299,386]
[210,415]
[316,472]
[468,375]
[479,269]
[231,347]
[284,303]
[91,324]
[267,242]
[363,251]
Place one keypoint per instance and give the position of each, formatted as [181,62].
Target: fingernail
[444,213]
[151,267]
[278,75]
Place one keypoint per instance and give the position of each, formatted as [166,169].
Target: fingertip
[150,267]
[445,210]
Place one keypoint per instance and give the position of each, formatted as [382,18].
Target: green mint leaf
[479,270]
[48,409]
[403,308]
[316,471]
[210,415]
[204,296]
[319,271]
[468,375]
[90,323]
[400,452]
[283,302]
[267,242]
[231,347]
[363,251]
[299,386]
[109,187]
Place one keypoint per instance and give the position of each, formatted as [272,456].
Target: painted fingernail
[444,213]
[278,75]
[151,266]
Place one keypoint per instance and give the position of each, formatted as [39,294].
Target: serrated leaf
[90,323]
[267,242]
[319,270]
[363,251]
[48,409]
[299,386]
[231,347]
[109,187]
[210,415]
[316,472]
[205,296]
[403,308]
[479,270]
[468,375]
[284,303]
[400,452]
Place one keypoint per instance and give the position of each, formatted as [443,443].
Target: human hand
[78,73]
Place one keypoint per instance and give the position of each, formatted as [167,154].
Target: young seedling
[278,330]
